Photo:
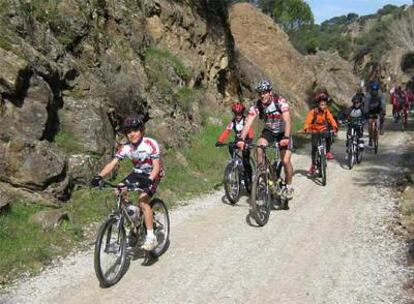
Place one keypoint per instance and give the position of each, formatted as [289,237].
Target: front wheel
[232,183]
[261,197]
[110,259]
[350,155]
[161,220]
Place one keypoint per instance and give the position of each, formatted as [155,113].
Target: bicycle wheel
[232,183]
[322,163]
[359,155]
[350,154]
[261,197]
[375,139]
[161,226]
[110,259]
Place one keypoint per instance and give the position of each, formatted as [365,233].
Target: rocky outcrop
[70,72]
[264,50]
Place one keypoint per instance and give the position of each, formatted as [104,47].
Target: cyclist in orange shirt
[318,120]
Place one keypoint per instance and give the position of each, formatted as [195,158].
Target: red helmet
[238,108]
[322,96]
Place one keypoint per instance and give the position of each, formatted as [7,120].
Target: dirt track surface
[334,245]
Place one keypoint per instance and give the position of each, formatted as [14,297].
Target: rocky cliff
[70,69]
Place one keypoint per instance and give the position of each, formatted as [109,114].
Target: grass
[67,142]
[24,246]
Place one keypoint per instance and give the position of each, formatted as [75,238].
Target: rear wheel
[322,162]
[110,258]
[261,197]
[161,226]
[232,183]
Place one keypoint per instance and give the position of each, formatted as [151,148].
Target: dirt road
[334,245]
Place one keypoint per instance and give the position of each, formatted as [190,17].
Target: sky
[326,9]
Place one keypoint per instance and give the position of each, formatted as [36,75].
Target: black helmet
[132,122]
[263,86]
[357,98]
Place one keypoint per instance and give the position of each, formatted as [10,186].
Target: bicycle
[111,240]
[321,161]
[235,177]
[267,183]
[353,150]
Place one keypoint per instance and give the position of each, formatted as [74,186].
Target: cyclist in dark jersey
[274,111]
[374,108]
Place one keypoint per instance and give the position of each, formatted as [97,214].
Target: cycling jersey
[319,121]
[142,154]
[237,127]
[374,105]
[271,113]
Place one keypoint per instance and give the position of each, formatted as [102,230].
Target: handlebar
[122,186]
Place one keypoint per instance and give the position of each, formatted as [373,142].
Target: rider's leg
[286,156]
[370,129]
[314,148]
[144,204]
[261,142]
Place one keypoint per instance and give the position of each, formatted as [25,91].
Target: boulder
[33,165]
[13,68]
[50,219]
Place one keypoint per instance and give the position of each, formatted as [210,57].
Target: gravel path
[334,245]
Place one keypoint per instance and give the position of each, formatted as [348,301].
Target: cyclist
[375,109]
[318,120]
[144,153]
[355,116]
[400,105]
[237,124]
[275,113]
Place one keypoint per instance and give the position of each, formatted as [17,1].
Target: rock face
[264,50]
[70,72]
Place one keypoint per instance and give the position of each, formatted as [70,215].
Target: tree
[292,14]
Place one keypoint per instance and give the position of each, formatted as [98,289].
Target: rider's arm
[288,125]
[332,120]
[225,134]
[109,167]
[156,168]
[308,121]
[249,122]
[250,135]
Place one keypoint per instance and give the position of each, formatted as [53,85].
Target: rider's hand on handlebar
[241,144]
[284,142]
[96,181]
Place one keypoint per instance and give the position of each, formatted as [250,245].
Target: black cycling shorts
[142,179]
[276,137]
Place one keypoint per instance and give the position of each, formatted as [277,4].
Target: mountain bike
[124,224]
[235,177]
[267,184]
[353,150]
[321,162]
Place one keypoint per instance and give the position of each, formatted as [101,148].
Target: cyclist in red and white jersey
[275,113]
[144,153]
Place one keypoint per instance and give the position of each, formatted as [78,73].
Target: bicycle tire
[260,189]
[350,153]
[161,226]
[232,179]
[322,162]
[106,229]
[375,139]
[359,155]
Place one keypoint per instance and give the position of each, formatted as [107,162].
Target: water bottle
[133,212]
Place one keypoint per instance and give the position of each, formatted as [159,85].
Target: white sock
[150,233]
[289,187]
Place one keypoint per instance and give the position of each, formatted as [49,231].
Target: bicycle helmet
[238,108]
[132,122]
[357,98]
[263,86]
[375,86]
[322,96]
